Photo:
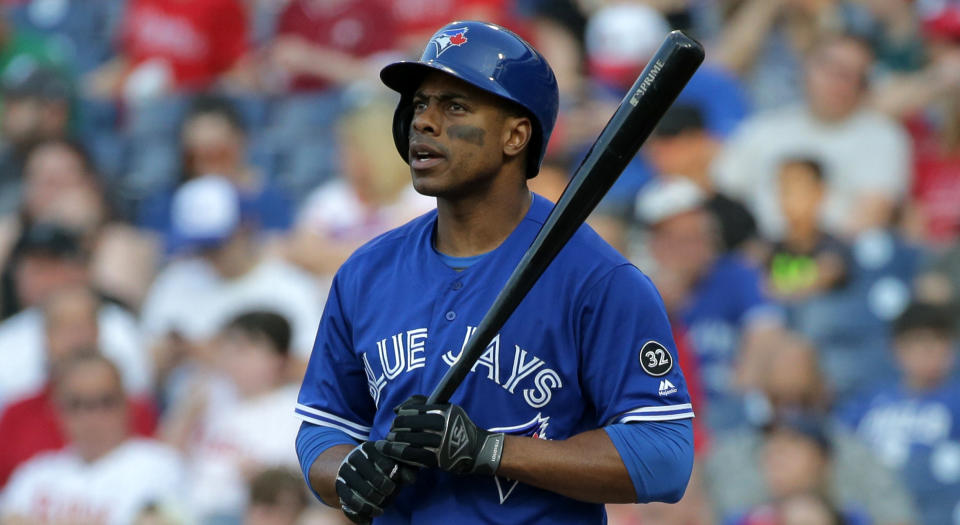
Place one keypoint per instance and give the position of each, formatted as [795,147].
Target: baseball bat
[665,75]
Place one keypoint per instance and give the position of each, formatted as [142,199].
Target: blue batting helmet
[491,58]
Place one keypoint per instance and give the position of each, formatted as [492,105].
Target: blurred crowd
[180,180]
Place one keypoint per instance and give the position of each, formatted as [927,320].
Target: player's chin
[431,182]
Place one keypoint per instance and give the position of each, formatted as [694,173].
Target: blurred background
[180,179]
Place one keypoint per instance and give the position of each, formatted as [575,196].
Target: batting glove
[441,436]
[367,481]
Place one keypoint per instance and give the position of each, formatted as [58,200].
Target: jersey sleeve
[629,365]
[335,390]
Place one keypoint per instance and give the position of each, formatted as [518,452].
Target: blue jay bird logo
[450,37]
[535,428]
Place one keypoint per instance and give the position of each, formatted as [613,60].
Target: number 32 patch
[655,359]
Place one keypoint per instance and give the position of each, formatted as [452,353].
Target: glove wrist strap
[488,459]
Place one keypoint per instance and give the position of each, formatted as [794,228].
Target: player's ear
[517,131]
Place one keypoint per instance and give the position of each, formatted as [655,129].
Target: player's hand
[367,481]
[441,436]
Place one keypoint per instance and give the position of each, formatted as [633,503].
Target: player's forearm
[323,473]
[586,467]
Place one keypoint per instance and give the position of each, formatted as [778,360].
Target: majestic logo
[458,438]
[655,359]
[450,37]
[667,388]
[535,428]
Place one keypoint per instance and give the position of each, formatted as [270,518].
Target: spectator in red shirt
[32,425]
[929,102]
[174,45]
[936,184]
[321,43]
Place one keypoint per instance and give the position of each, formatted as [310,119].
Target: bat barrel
[665,75]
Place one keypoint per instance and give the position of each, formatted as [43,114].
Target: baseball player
[578,401]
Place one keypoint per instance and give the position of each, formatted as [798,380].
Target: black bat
[656,88]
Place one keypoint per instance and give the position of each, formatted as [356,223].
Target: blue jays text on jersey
[589,346]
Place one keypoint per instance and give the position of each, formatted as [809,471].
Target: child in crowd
[238,421]
[796,459]
[914,426]
[277,497]
[807,261]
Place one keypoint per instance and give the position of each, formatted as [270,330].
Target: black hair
[925,316]
[268,325]
[564,13]
[813,165]
[219,106]
[680,118]
[809,425]
[90,170]
[39,82]
[50,239]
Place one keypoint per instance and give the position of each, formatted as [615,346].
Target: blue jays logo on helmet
[455,36]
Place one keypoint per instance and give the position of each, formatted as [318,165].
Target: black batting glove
[368,480]
[441,436]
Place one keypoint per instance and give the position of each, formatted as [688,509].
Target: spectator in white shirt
[104,476]
[223,272]
[52,260]
[231,430]
[866,155]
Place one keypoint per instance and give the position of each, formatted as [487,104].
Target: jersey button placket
[451,315]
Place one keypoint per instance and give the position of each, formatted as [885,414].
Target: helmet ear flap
[402,118]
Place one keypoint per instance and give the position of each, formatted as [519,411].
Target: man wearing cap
[220,273]
[577,402]
[718,297]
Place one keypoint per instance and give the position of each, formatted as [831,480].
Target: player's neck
[479,223]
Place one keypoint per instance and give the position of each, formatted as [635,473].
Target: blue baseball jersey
[918,435]
[589,346]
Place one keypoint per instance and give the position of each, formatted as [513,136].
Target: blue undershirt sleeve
[658,455]
[313,440]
